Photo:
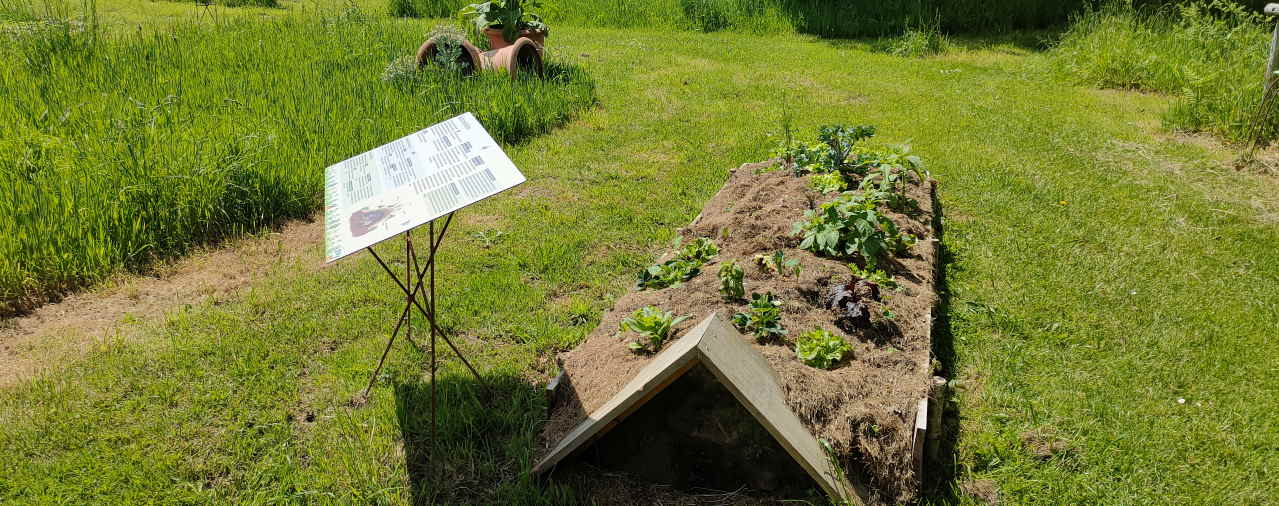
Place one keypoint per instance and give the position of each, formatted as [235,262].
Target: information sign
[428,174]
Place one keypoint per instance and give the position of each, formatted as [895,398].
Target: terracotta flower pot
[497,42]
[522,56]
[469,59]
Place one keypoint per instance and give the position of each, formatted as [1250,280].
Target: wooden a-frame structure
[745,373]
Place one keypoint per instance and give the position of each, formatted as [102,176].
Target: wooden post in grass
[1272,9]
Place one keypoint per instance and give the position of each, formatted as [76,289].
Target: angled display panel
[410,181]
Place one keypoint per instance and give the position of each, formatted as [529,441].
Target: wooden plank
[923,441]
[919,439]
[552,391]
[741,369]
[936,398]
[663,369]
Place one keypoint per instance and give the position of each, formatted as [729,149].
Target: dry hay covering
[864,407]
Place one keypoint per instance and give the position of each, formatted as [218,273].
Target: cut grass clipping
[121,149]
[653,325]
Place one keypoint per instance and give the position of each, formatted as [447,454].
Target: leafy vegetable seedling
[821,349]
[730,281]
[680,269]
[763,319]
[873,275]
[852,300]
[668,273]
[777,263]
[653,325]
[829,154]
[830,182]
[701,250]
[839,141]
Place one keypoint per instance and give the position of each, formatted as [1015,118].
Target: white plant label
[375,195]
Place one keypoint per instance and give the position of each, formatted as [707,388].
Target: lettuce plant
[873,275]
[830,182]
[821,349]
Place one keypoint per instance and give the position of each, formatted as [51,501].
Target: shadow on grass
[1014,42]
[941,472]
[482,451]
[1019,42]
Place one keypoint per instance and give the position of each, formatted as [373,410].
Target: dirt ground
[866,406]
[57,333]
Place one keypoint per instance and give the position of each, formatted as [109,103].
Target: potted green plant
[505,21]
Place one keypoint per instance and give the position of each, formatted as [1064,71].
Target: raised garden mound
[865,407]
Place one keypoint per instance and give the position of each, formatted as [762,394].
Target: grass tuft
[926,39]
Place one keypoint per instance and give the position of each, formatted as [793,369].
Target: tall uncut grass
[829,18]
[236,3]
[1212,55]
[121,149]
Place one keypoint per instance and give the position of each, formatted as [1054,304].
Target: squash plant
[509,15]
[850,225]
[821,349]
[887,171]
[896,156]
[652,324]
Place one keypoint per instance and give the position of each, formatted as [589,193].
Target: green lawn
[1097,271]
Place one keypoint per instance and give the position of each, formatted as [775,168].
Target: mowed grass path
[1097,273]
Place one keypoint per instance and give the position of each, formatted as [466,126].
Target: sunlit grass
[125,147]
[1212,55]
[818,17]
[1096,272]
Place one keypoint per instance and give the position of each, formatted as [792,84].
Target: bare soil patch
[56,333]
[865,407]
[984,491]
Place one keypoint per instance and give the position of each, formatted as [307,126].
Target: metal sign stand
[409,182]
[415,275]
